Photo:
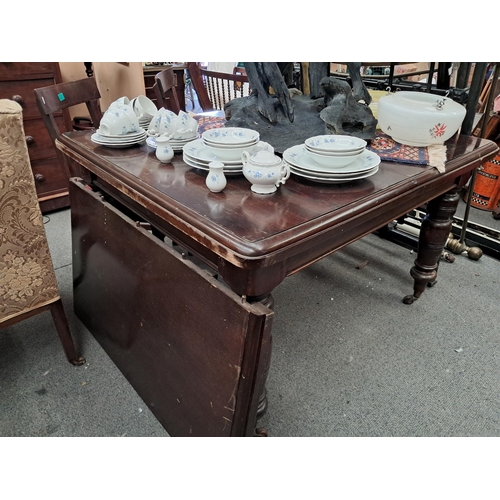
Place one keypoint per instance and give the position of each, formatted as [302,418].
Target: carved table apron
[191,329]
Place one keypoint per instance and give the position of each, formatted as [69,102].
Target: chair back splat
[165,90]
[215,89]
[53,99]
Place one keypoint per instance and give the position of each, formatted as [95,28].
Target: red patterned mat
[208,122]
[390,150]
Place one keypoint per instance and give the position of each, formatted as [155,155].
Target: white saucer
[118,146]
[102,140]
[299,156]
[175,143]
[105,138]
[131,135]
[116,143]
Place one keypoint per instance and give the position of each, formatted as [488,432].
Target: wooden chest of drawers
[17,82]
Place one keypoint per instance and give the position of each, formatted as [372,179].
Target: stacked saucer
[304,164]
[198,155]
[119,141]
[177,144]
[144,122]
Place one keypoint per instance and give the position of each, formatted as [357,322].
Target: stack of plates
[177,144]
[334,150]
[144,122]
[228,143]
[196,154]
[119,141]
[303,165]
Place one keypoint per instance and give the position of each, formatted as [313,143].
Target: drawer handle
[30,140]
[18,99]
[39,178]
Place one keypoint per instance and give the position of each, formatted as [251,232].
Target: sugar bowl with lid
[264,170]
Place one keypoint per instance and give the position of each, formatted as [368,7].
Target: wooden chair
[28,283]
[215,89]
[165,90]
[55,98]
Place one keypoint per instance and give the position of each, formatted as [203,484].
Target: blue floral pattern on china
[334,142]
[257,174]
[230,135]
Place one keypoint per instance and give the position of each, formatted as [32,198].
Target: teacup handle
[285,174]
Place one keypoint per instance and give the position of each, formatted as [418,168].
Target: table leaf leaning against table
[175,281]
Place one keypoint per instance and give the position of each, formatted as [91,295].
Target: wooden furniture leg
[61,323]
[434,232]
[266,350]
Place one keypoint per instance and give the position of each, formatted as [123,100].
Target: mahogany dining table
[176,282]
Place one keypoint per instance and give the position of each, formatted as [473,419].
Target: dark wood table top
[251,230]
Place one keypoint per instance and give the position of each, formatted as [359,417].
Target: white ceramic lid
[265,158]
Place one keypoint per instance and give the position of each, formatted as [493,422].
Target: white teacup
[144,107]
[164,122]
[120,102]
[186,126]
[186,121]
[119,120]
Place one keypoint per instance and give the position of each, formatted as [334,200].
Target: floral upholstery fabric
[27,278]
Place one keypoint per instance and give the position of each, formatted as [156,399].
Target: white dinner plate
[198,151]
[299,156]
[333,180]
[201,166]
[228,168]
[334,176]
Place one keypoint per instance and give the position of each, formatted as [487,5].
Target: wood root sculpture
[331,108]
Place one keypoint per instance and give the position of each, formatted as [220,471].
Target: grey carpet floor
[349,358]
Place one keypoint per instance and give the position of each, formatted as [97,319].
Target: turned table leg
[266,362]
[434,232]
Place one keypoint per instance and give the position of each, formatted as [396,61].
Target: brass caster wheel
[448,257]
[409,299]
[78,362]
[260,432]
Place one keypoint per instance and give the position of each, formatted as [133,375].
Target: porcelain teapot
[264,170]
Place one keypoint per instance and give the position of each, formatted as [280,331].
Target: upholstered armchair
[28,283]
